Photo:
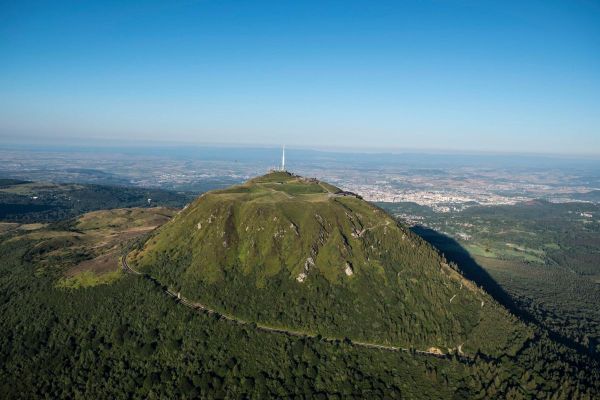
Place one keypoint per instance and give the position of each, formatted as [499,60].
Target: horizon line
[95,142]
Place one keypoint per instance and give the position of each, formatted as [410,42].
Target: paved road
[284,331]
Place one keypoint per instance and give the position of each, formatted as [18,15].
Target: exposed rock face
[307,266]
[348,270]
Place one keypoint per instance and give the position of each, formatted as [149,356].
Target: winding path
[283,331]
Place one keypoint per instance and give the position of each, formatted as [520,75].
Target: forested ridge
[28,202]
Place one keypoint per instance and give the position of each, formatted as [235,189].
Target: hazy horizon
[99,144]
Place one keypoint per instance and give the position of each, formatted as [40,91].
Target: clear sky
[453,75]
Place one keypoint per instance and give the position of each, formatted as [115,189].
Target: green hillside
[300,254]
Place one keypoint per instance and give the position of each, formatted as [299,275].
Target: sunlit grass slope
[298,253]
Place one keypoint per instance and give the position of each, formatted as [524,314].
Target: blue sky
[448,75]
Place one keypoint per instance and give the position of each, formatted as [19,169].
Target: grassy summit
[298,253]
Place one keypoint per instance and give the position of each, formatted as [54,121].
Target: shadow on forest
[457,254]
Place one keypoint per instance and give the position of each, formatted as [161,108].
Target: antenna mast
[283,158]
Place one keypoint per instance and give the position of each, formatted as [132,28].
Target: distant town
[443,185]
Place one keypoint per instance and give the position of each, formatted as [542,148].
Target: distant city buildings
[444,190]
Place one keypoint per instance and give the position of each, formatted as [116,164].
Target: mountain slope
[298,253]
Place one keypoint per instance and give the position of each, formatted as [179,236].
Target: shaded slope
[291,252]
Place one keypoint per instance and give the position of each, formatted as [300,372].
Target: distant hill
[298,253]
[26,202]
[593,196]
[7,182]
